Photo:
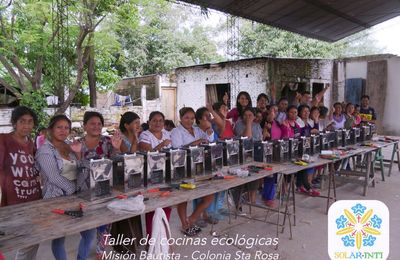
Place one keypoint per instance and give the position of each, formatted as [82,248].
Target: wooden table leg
[368,172]
[394,152]
[329,189]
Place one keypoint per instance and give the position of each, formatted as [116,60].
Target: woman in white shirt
[155,139]
[187,134]
[338,118]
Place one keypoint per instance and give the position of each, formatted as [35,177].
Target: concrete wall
[357,68]
[192,81]
[255,77]
[391,122]
[5,118]
[302,70]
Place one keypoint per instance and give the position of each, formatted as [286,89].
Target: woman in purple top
[304,177]
[307,126]
[338,118]
[243,101]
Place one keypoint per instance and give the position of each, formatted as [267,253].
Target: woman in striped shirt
[57,162]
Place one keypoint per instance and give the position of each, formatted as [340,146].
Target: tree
[262,40]
[167,37]
[26,38]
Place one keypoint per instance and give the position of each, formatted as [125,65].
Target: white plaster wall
[391,122]
[192,81]
[341,80]
[356,69]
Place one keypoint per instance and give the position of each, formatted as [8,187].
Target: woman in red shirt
[222,127]
[243,101]
[18,178]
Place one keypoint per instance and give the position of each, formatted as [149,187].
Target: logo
[358,230]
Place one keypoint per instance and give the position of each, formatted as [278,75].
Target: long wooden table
[32,223]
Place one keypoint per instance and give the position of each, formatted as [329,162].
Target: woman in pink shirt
[289,127]
[243,101]
[271,128]
[271,131]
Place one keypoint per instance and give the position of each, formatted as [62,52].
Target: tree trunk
[92,77]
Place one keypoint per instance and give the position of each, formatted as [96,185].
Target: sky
[387,34]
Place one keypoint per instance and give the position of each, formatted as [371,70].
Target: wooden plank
[376,89]
[32,223]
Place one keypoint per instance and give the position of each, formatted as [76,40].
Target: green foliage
[139,37]
[168,36]
[262,40]
[81,98]
[37,102]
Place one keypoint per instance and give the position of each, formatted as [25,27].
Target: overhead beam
[336,12]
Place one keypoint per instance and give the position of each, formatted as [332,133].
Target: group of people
[56,168]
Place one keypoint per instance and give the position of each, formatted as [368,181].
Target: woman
[95,146]
[307,128]
[129,125]
[338,118]
[262,103]
[155,139]
[17,152]
[186,134]
[307,125]
[352,119]
[271,132]
[314,117]
[57,162]
[324,123]
[222,127]
[289,127]
[243,101]
[246,127]
[203,121]
[271,128]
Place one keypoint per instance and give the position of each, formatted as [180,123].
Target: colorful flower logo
[359,228]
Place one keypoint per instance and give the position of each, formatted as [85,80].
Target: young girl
[129,125]
[246,127]
[57,162]
[262,103]
[222,127]
[13,148]
[243,101]
[352,119]
[271,131]
[338,118]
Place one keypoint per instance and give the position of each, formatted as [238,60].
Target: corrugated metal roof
[328,20]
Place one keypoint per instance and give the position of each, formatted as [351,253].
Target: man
[305,98]
[367,113]
[282,107]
